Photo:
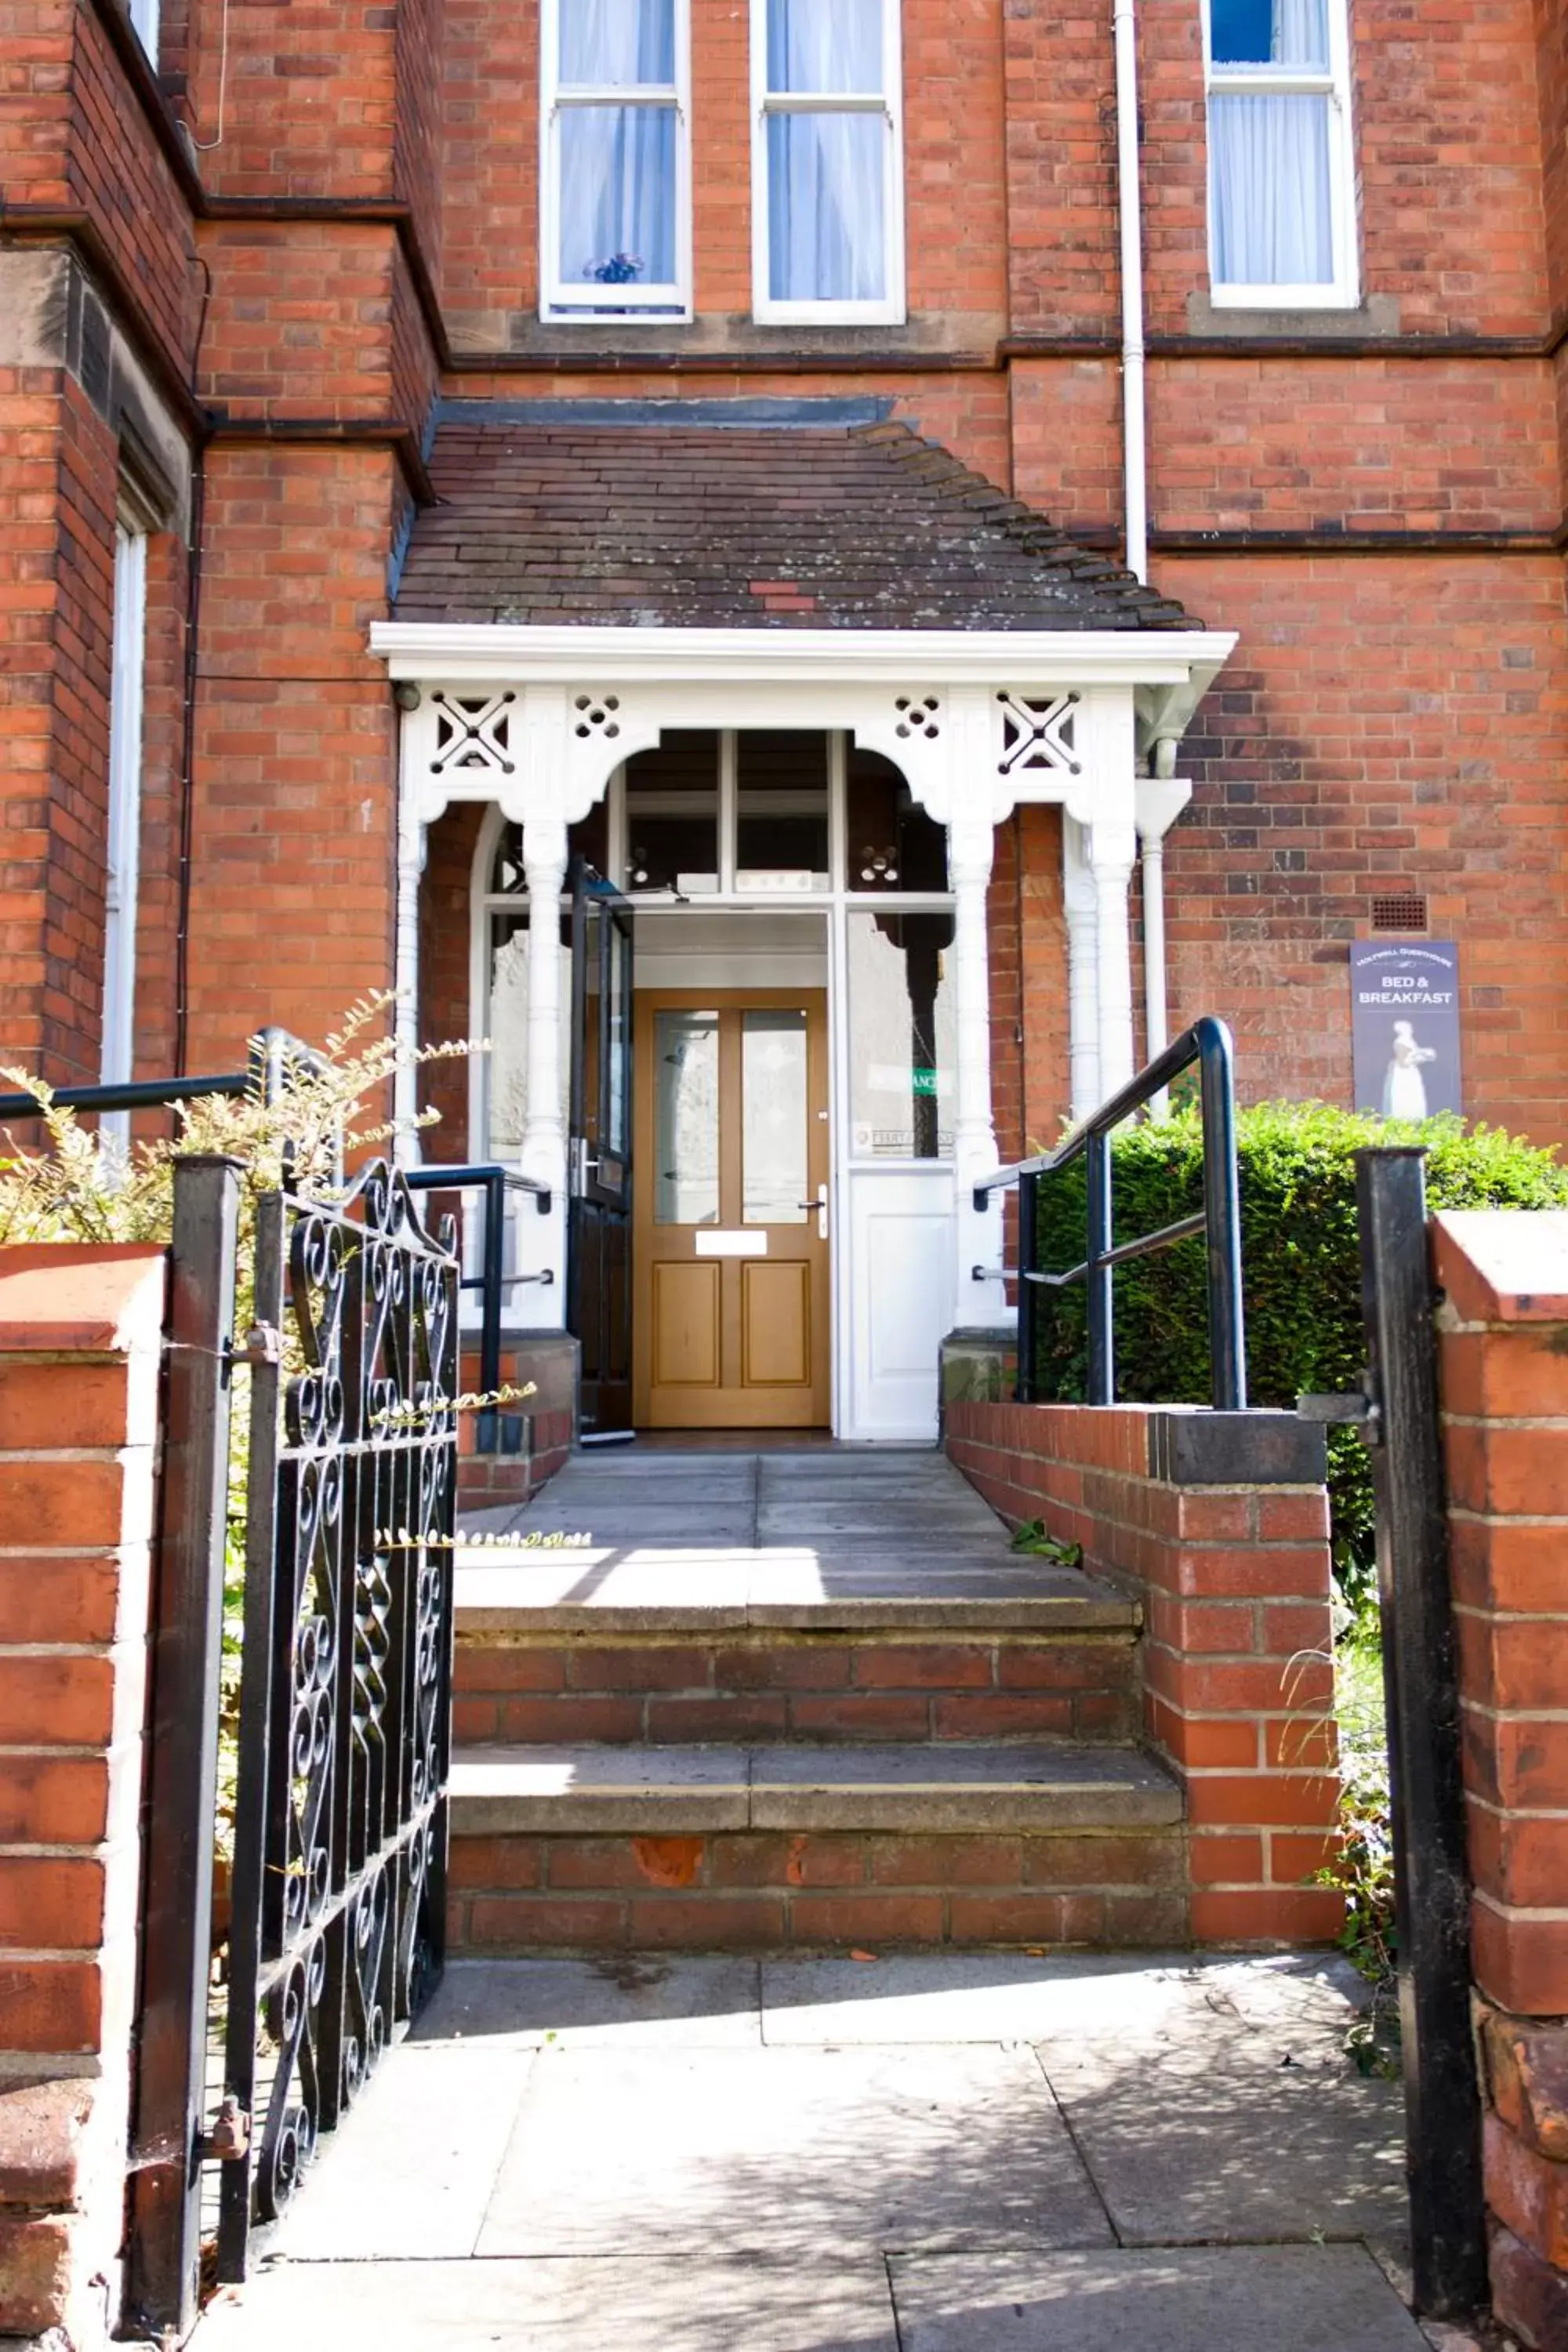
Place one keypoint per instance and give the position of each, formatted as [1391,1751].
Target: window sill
[1217,314]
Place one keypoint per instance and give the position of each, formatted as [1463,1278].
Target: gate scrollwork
[341,1831]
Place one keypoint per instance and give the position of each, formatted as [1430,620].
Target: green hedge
[1300,1270]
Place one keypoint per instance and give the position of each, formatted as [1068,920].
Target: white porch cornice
[492,653]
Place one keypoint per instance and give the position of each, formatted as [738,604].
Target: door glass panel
[617,1071]
[902,1082]
[685,1119]
[781,813]
[773,1120]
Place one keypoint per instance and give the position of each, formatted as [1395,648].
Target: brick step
[730,1848]
[699,1683]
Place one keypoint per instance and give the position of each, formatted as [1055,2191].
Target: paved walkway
[944,2154]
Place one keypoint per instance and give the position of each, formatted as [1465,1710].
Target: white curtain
[825,232]
[617,162]
[1269,189]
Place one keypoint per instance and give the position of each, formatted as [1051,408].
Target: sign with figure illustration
[1405,1015]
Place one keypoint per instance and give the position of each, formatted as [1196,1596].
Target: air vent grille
[1404,910]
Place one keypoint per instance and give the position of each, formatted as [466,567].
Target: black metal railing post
[1222,1219]
[1098,1276]
[1420,1666]
[1028,1289]
[182,1784]
[1208,1043]
[487,1432]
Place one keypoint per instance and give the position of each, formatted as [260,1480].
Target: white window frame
[1342,291]
[144,14]
[570,300]
[123,846]
[887,103]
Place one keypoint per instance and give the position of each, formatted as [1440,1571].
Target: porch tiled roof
[839,524]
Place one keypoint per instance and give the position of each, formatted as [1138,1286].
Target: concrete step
[726,1848]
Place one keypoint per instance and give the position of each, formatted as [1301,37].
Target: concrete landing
[917,2155]
[692,1540]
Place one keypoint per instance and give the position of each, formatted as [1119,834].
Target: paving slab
[1208,2299]
[642,2304]
[884,1785]
[1206,2145]
[916,1997]
[410,2169]
[789,2153]
[499,1790]
[625,2000]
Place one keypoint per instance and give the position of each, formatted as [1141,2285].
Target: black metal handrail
[271,1050]
[495,1182]
[1208,1044]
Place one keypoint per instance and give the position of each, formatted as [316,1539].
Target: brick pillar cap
[99,1298]
[1503,1265]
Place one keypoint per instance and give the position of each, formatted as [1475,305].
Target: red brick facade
[1372,499]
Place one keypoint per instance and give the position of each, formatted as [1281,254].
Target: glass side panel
[781,811]
[774,1134]
[890,844]
[826,237]
[617,43]
[672,815]
[825,45]
[505,1066]
[902,1077]
[618,195]
[685,1119]
[1269,32]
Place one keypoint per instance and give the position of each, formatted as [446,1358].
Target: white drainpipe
[1159,800]
[1131,210]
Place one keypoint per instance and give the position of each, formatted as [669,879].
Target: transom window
[1281,190]
[826,173]
[615,196]
[777,813]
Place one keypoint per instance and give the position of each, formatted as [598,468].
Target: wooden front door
[730,1245]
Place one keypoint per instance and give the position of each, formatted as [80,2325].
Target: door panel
[732,1251]
[685,1321]
[776,1324]
[599,1151]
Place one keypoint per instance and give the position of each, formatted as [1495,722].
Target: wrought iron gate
[340,1776]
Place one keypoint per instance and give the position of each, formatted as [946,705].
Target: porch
[759,740]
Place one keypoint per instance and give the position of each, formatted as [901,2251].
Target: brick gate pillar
[80,1332]
[1503,1327]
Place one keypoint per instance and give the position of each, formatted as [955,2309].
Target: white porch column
[412,841]
[543,1153]
[1083,984]
[971,847]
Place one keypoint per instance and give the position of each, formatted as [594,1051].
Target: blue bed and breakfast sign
[1405,1026]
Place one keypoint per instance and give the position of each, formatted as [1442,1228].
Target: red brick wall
[1381,723]
[1503,1358]
[293,905]
[79,1345]
[1237,1672]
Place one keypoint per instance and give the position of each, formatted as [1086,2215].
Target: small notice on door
[711,1241]
[1405,1026]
